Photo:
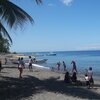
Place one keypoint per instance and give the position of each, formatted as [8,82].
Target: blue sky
[60,25]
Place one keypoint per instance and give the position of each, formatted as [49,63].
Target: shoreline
[42,84]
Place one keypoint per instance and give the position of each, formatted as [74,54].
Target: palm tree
[4,33]
[4,44]
[13,16]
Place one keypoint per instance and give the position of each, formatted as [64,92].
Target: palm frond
[4,33]
[13,14]
[38,1]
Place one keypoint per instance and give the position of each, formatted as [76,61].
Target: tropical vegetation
[13,16]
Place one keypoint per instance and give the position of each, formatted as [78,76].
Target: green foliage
[4,45]
[13,16]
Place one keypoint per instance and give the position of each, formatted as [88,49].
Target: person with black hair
[90,75]
[67,77]
[20,67]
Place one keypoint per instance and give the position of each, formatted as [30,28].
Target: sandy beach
[42,84]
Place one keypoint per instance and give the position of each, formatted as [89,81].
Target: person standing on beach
[19,61]
[20,67]
[58,65]
[30,63]
[74,69]
[90,75]
[87,81]
[74,72]
[64,66]
[0,65]
[5,61]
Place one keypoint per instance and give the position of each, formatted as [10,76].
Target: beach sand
[42,84]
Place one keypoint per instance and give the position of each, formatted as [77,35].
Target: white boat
[51,54]
[40,61]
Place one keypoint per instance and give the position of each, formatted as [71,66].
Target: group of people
[73,78]
[89,78]
[59,65]
[21,65]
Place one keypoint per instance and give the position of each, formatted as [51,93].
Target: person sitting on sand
[20,67]
[74,77]
[0,65]
[67,77]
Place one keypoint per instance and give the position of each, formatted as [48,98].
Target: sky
[59,25]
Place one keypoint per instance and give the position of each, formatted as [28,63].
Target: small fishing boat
[51,54]
[40,61]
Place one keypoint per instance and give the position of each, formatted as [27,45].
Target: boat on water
[37,54]
[51,54]
[40,61]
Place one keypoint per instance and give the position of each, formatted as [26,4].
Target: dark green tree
[4,45]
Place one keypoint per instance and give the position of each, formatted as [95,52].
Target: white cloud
[67,2]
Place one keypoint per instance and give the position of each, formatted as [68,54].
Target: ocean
[83,59]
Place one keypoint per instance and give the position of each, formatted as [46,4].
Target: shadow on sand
[15,89]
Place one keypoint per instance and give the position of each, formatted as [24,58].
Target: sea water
[83,59]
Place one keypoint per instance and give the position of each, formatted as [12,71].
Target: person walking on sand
[0,65]
[30,63]
[20,67]
[64,66]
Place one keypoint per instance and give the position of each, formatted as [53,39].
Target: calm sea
[83,59]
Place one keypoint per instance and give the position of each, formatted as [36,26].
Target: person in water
[64,66]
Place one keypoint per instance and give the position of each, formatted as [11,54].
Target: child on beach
[87,81]
[20,67]
[90,75]
[58,66]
